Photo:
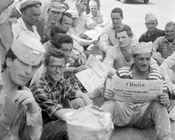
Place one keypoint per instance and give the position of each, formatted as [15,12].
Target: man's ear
[8,62]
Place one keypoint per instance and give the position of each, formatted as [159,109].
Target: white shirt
[20,27]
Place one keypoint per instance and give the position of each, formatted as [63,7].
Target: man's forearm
[60,114]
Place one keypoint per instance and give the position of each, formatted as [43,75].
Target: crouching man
[20,115]
[141,115]
[52,93]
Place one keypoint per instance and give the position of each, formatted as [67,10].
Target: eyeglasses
[67,50]
[55,67]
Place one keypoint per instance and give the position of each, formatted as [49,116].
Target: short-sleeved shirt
[164,47]
[145,37]
[50,97]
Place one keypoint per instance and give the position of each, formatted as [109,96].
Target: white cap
[74,13]
[93,4]
[28,49]
[142,47]
[150,17]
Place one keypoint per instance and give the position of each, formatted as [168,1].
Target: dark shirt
[145,37]
[51,98]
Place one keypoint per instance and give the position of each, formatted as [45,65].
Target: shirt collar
[48,82]
[23,25]
[166,40]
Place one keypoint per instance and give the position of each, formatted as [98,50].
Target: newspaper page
[137,91]
[95,74]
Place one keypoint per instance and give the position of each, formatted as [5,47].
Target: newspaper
[95,74]
[137,91]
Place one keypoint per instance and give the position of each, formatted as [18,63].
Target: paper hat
[56,6]
[142,47]
[93,3]
[150,17]
[74,13]
[28,3]
[28,49]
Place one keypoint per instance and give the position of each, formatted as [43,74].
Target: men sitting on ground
[31,10]
[54,14]
[95,18]
[165,46]
[141,115]
[20,116]
[121,55]
[51,91]
[74,63]
[108,39]
[152,32]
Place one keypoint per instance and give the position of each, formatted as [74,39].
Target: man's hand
[26,99]
[80,68]
[109,94]
[164,100]
[85,97]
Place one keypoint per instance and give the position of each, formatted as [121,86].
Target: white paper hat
[150,17]
[28,49]
[93,3]
[142,47]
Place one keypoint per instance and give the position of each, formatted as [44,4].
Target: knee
[109,106]
[156,106]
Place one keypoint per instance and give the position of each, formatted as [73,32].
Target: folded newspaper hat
[93,3]
[28,49]
[150,17]
[142,47]
[56,6]
[74,13]
[28,3]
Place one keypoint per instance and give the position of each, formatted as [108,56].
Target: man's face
[67,49]
[170,32]
[116,19]
[54,16]
[32,15]
[81,7]
[19,72]
[142,61]
[66,23]
[55,69]
[94,10]
[75,22]
[151,25]
[123,39]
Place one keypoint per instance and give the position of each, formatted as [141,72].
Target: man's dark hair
[171,23]
[55,53]
[57,29]
[11,55]
[65,14]
[125,28]
[60,39]
[117,10]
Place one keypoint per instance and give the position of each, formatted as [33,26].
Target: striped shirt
[126,73]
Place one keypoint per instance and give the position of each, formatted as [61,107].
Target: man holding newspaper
[139,113]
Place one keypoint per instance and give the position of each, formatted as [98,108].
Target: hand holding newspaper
[95,74]
[137,91]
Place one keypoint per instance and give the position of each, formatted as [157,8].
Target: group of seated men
[42,48]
